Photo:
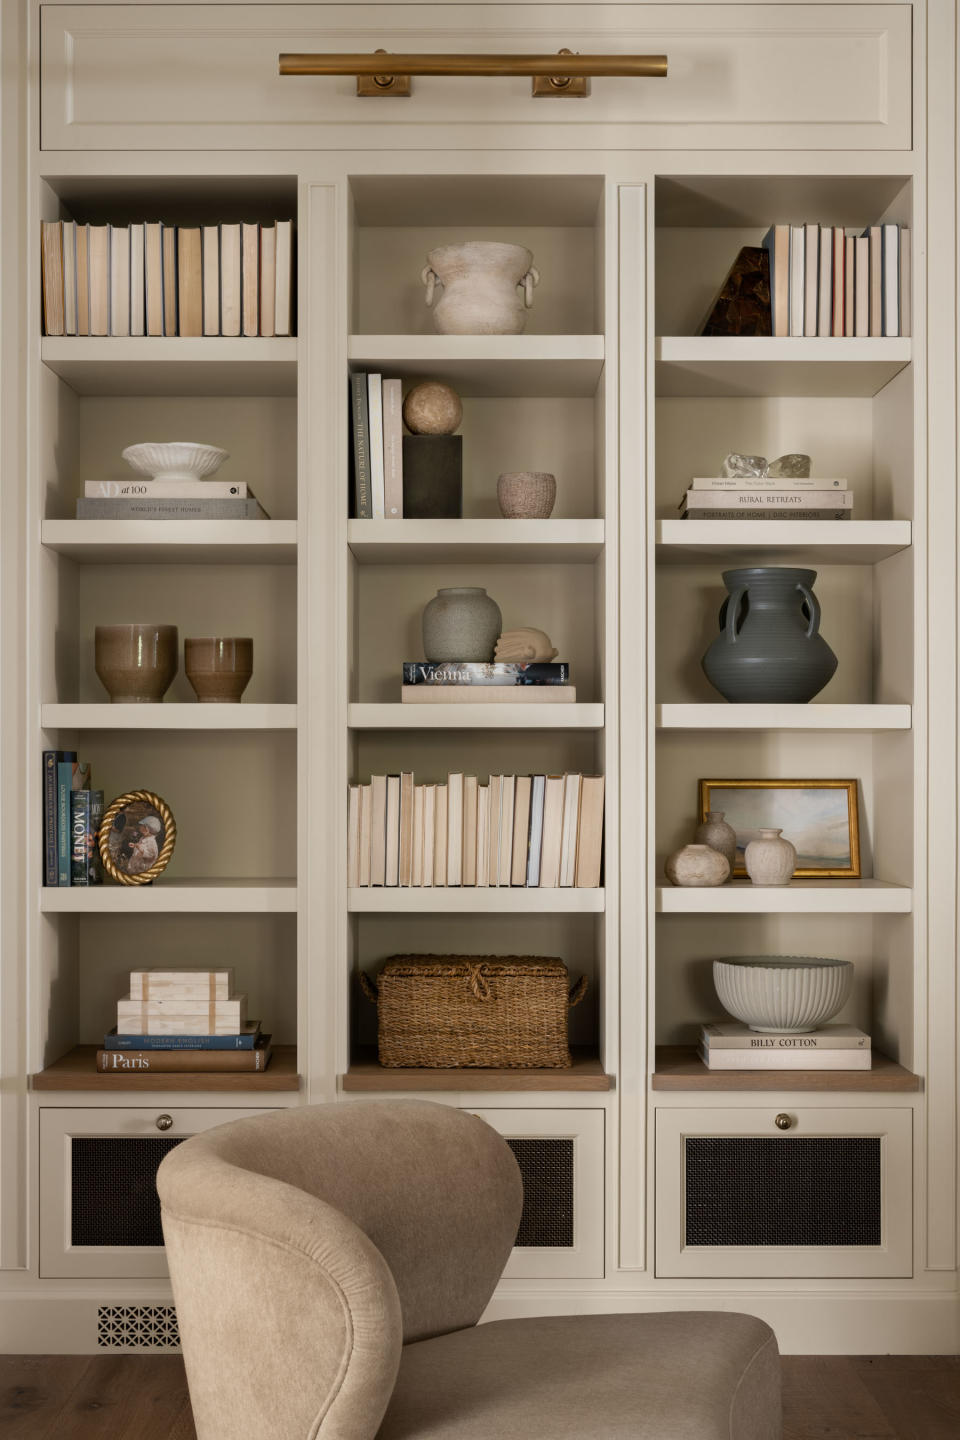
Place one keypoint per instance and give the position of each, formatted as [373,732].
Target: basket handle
[578,992]
[368,987]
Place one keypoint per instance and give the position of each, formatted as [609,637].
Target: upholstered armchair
[329,1267]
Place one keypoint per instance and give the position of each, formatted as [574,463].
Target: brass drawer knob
[165,1122]
[782,1121]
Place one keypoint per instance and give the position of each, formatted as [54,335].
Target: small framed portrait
[137,836]
[818,816]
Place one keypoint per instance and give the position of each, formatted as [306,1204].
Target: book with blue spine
[86,812]
[51,759]
[70,776]
[244,1040]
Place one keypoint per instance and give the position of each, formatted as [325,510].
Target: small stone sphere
[432,409]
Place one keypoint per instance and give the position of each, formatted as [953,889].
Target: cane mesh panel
[546,1166]
[114,1197]
[758,1190]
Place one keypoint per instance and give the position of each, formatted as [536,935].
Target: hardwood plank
[678,1067]
[921,1401]
[824,1399]
[34,1390]
[160,1405]
[125,1397]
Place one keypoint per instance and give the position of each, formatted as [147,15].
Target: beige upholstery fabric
[315,1252]
[676,1376]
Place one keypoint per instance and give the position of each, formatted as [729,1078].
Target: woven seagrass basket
[440,1011]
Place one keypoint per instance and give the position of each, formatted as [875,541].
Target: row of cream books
[183,1020]
[827,280]
[721,497]
[543,831]
[149,278]
[732,1045]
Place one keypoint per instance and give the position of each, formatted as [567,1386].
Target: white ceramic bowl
[175,460]
[789,993]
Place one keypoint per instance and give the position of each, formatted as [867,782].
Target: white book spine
[416,866]
[747,500]
[283,292]
[741,1037]
[483,840]
[505,862]
[268,279]
[353,837]
[798,275]
[811,246]
[571,818]
[763,485]
[138,310]
[890,245]
[393,449]
[825,282]
[210,270]
[429,833]
[366,815]
[785,1059]
[440,838]
[69,230]
[536,830]
[119,279]
[375,407]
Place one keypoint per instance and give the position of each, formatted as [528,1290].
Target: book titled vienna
[479,672]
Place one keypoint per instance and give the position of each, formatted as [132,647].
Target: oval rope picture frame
[136,847]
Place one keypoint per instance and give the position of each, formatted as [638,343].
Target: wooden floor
[134,1397]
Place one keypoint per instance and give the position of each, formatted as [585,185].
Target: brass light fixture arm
[564,74]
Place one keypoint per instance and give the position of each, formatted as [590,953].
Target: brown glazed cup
[136,663]
[218,669]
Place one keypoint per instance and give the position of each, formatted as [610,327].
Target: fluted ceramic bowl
[174,459]
[792,994]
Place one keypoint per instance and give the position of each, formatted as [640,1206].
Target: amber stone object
[743,305]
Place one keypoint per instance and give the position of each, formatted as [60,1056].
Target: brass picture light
[564,74]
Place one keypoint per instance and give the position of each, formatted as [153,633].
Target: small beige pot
[136,663]
[218,668]
[526,494]
[697,865]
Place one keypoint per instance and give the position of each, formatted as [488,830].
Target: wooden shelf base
[77,1071]
[366,1074]
[679,1068]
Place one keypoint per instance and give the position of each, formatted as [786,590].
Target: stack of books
[541,831]
[169,500]
[476,682]
[826,280]
[154,279]
[183,1020]
[720,497]
[377,450]
[732,1045]
[71,821]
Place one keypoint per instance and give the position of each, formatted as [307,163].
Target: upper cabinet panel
[754,76]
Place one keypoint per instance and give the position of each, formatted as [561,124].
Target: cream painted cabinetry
[634,201]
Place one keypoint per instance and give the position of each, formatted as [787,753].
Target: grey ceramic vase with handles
[769,650]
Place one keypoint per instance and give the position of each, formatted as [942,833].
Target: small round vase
[218,668]
[697,865]
[526,494]
[770,860]
[487,287]
[135,663]
[461,623]
[720,836]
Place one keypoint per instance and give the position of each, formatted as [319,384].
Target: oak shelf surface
[366,1074]
[173,542]
[77,1071]
[678,1067]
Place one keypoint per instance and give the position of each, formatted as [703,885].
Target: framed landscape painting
[818,816]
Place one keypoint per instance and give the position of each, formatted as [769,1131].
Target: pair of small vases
[768,860]
[137,663]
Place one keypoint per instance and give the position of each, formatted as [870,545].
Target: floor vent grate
[137,1327]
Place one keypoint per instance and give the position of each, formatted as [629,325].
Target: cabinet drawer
[828,1195]
[560,1154]
[185,77]
[99,1209]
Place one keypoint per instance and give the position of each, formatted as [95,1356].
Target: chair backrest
[342,1231]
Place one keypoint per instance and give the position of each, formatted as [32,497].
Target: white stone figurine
[524,645]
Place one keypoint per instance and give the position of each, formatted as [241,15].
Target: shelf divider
[834,897]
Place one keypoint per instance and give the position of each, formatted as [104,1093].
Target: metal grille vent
[137,1327]
[546,1167]
[755,1190]
[114,1197]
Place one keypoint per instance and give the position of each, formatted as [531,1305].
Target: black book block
[432,477]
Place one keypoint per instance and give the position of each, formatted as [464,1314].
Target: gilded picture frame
[822,814]
[136,837]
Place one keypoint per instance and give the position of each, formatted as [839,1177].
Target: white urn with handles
[486,287]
